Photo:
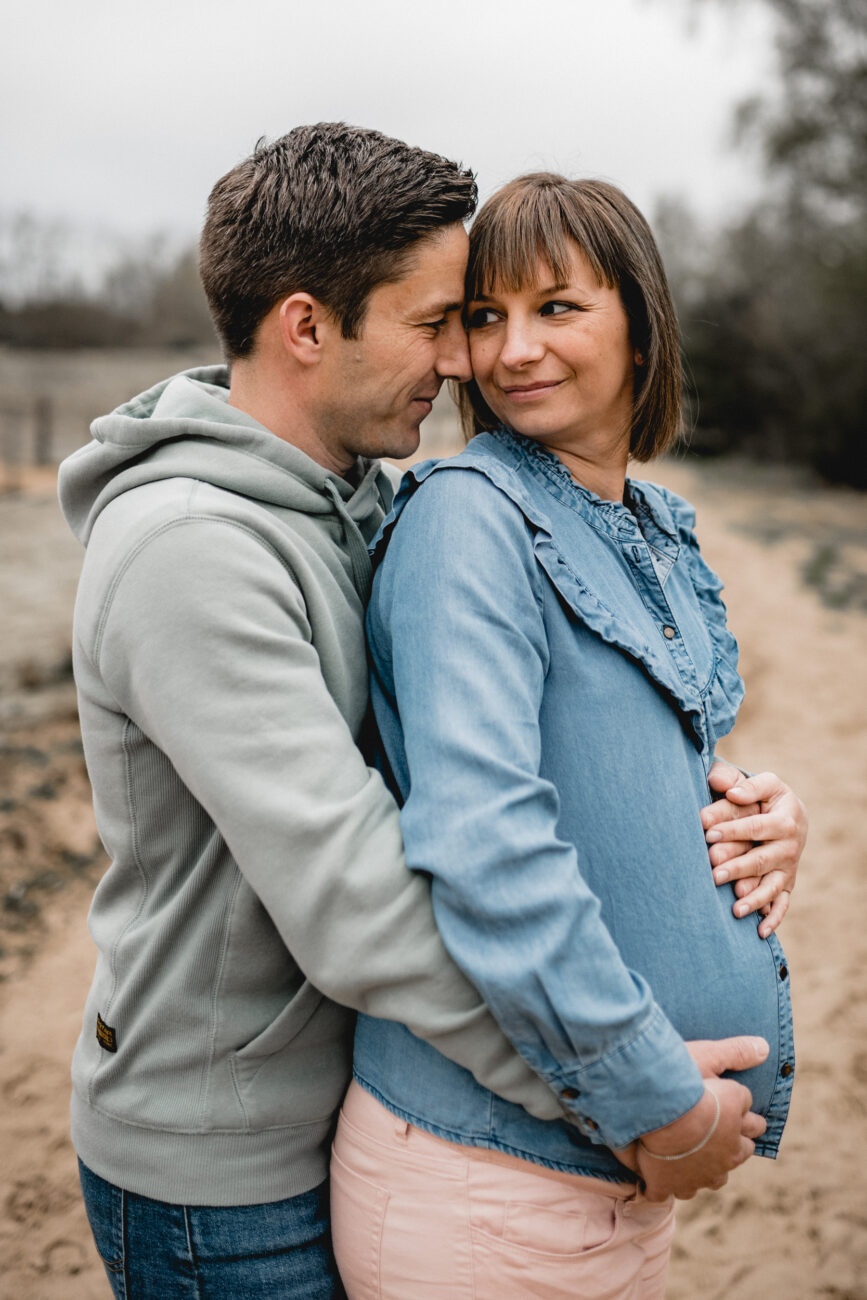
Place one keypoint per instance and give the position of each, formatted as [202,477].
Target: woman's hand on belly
[756,835]
[701,1148]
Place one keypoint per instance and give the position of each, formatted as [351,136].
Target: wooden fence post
[43,430]
[11,447]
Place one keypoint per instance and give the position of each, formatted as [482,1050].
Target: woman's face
[555,362]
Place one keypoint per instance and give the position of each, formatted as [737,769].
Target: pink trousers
[418,1218]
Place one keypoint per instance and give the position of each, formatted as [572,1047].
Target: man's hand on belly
[756,834]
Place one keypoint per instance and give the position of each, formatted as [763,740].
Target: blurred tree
[34,261]
[814,134]
[773,308]
[177,313]
[147,296]
[128,283]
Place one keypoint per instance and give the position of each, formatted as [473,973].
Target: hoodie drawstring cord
[362,569]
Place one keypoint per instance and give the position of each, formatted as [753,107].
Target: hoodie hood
[184,427]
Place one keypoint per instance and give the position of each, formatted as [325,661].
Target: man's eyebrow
[435,310]
[449,306]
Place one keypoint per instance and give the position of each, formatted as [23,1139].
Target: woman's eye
[558,308]
[481,316]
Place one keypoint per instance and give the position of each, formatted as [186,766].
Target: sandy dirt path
[794,1228]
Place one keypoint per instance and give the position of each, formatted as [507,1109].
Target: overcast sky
[122,114]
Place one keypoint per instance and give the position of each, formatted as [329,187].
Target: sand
[794,561]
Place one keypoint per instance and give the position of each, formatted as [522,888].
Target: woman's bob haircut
[539,218]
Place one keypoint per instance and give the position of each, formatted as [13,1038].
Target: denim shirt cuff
[642,1085]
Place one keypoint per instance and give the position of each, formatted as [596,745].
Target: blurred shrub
[66,323]
[775,335]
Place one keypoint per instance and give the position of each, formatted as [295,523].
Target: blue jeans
[155,1251]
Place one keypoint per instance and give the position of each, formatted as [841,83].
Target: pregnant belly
[713,979]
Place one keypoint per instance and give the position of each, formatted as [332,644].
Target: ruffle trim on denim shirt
[725,691]
[587,605]
[595,615]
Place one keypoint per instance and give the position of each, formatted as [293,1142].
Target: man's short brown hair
[330,210]
[538,218]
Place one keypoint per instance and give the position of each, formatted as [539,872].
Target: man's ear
[302,319]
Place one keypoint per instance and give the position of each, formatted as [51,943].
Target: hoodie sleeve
[204,643]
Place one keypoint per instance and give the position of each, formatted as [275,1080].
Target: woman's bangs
[508,245]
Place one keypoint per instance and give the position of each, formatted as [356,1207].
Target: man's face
[376,389]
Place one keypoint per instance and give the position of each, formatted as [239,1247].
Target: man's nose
[521,345]
[453,360]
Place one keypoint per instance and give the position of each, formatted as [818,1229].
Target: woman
[551,672]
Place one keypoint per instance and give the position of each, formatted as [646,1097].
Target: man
[257,877]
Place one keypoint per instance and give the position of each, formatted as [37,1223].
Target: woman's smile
[526,392]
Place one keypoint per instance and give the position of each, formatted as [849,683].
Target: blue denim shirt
[550,674]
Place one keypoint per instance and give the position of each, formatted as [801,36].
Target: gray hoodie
[257,876]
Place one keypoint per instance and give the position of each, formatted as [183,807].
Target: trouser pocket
[357,1219]
[104,1205]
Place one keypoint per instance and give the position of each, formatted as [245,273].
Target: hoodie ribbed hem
[223,1168]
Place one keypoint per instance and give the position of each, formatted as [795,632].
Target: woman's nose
[521,345]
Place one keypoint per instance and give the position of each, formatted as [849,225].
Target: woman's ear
[638,357]
[300,318]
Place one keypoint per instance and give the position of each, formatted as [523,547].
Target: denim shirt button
[669,632]
[591,1124]
[784,970]
[786,1069]
[569,1094]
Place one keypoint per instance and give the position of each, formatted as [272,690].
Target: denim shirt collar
[615,517]
[650,511]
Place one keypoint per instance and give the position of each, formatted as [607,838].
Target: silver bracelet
[692,1150]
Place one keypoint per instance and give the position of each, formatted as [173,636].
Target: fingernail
[720,877]
[712,836]
[736,789]
[741,909]
[762,1048]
